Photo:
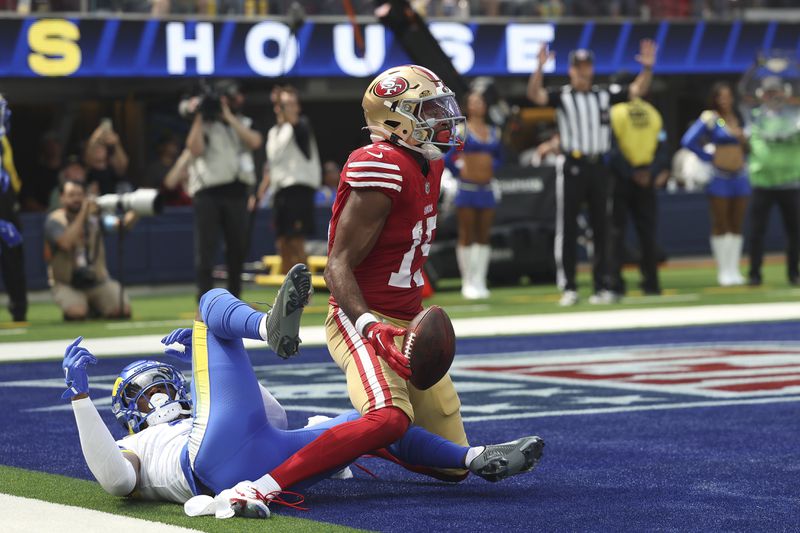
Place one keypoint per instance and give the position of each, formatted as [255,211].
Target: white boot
[482,254]
[734,258]
[465,266]
[718,244]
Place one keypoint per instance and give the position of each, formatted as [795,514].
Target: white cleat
[243,500]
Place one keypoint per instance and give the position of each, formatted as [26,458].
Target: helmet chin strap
[428,150]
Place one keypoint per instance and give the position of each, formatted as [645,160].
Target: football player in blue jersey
[188,450]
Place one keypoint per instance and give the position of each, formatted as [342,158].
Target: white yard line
[23,515]
[612,319]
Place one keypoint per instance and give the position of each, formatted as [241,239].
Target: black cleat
[283,322]
[499,461]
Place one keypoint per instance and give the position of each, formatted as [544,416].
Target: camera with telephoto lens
[143,202]
[210,96]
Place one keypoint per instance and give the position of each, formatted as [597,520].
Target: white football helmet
[411,106]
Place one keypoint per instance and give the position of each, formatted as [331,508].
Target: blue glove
[75,360]
[9,233]
[182,336]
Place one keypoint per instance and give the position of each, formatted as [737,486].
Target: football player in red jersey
[384,219]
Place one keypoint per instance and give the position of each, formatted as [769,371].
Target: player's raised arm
[116,472]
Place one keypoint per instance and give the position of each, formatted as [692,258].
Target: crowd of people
[436,8]
[609,151]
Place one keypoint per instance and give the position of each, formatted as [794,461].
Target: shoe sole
[248,509]
[498,469]
[283,329]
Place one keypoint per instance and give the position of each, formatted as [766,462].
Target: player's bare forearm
[343,286]
[357,231]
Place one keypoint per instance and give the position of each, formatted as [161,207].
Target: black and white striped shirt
[584,122]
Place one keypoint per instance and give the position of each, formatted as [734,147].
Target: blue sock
[421,447]
[228,317]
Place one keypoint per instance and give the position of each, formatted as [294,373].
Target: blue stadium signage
[90,47]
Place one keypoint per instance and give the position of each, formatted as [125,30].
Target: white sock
[735,251]
[266,484]
[472,453]
[719,249]
[262,327]
[484,254]
[462,257]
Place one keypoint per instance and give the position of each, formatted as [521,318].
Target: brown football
[430,344]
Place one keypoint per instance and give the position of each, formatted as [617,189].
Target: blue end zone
[730,467]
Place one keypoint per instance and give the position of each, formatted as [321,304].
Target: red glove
[381,337]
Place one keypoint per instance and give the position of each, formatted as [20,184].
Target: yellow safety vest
[636,126]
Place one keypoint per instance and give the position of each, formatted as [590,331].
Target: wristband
[363,320]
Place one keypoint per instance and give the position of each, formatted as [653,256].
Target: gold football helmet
[411,106]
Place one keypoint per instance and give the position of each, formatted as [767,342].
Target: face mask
[162,413]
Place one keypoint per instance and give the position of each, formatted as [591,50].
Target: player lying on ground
[178,449]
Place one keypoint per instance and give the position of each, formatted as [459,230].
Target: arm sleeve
[53,229]
[302,136]
[114,473]
[691,139]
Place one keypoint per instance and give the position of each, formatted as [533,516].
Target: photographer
[76,256]
[106,160]
[222,177]
[293,178]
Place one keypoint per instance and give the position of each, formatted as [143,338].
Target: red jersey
[390,276]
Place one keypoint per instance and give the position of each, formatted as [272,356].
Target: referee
[585,131]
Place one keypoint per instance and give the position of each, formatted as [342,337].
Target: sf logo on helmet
[391,86]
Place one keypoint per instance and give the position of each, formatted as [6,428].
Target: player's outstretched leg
[283,323]
[498,461]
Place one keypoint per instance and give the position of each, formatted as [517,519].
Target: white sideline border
[23,515]
[613,319]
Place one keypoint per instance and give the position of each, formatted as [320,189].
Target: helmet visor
[438,120]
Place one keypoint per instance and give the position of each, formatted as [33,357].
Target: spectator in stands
[326,194]
[293,178]
[12,257]
[167,150]
[475,199]
[774,174]
[721,126]
[173,187]
[582,110]
[222,176]
[76,257]
[105,158]
[40,185]
[640,165]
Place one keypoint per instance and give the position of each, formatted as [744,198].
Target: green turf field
[89,495]
[683,285]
